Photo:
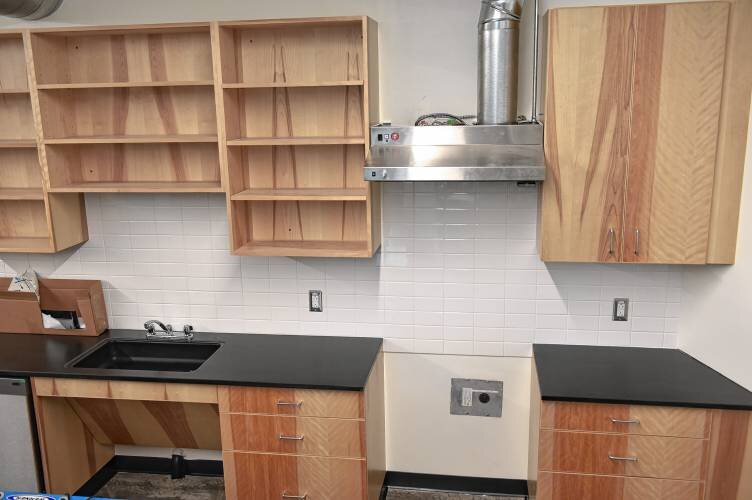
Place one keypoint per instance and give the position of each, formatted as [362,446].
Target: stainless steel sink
[168,356]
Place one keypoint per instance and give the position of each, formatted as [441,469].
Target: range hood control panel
[455,153]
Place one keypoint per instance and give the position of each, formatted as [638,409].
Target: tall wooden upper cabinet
[31,218]
[645,130]
[296,101]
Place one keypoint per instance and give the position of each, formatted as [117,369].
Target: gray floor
[406,494]
[130,486]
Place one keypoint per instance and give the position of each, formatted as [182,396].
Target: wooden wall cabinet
[275,114]
[31,219]
[645,131]
[296,102]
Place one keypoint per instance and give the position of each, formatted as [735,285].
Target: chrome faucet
[166,332]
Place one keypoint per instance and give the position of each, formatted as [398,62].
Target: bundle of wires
[442,119]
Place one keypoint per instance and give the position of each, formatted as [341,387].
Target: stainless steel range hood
[456,153]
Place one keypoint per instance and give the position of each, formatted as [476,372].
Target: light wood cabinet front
[325,437]
[626,419]
[637,98]
[289,477]
[621,455]
[553,486]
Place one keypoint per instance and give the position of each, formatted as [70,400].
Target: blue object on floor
[17,495]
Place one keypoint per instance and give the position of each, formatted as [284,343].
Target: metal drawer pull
[630,421]
[611,235]
[291,438]
[295,497]
[622,459]
[637,242]
[296,404]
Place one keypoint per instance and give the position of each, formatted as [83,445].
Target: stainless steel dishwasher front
[18,447]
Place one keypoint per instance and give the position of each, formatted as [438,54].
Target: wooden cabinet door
[676,102]
[588,91]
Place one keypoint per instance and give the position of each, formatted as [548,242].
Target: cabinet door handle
[622,459]
[630,421]
[611,241]
[637,241]
[294,497]
[296,404]
[291,438]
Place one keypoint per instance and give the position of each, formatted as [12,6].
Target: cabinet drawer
[559,486]
[631,455]
[298,402]
[328,437]
[268,477]
[626,419]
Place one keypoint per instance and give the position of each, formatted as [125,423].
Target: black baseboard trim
[463,484]
[146,465]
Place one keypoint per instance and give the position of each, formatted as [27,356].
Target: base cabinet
[276,443]
[589,451]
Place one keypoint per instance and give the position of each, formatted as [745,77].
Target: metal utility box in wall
[479,398]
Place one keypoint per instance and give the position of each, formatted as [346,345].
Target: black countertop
[303,361]
[633,375]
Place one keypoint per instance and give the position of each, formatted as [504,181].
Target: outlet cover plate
[315,301]
[621,309]
[486,397]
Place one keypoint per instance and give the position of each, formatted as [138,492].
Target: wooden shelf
[132,139]
[305,194]
[140,187]
[114,85]
[21,194]
[294,141]
[25,245]
[14,91]
[272,85]
[306,248]
[18,143]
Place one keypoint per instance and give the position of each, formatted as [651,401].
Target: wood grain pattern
[270,476]
[126,390]
[321,437]
[586,133]
[307,402]
[141,111]
[161,424]
[554,486]
[137,56]
[296,111]
[13,69]
[732,136]
[729,472]
[375,431]
[679,63]
[651,420]
[131,165]
[588,453]
[70,454]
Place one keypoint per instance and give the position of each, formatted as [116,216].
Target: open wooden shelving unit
[274,114]
[31,219]
[295,103]
[128,109]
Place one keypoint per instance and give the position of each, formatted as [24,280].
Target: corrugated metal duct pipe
[28,9]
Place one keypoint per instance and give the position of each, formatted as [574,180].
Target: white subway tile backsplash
[458,274]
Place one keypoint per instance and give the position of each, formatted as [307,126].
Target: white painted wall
[423,437]
[715,324]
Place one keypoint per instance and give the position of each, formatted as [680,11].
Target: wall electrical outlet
[480,398]
[621,309]
[315,301]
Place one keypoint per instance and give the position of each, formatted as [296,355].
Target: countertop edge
[680,404]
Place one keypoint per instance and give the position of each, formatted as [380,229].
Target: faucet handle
[187,329]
